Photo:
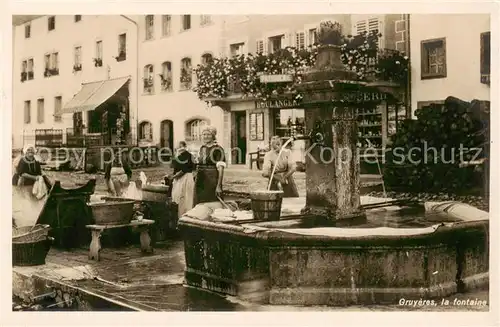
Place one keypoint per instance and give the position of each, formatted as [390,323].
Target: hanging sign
[282,78]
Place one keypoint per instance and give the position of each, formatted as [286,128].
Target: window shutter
[260,46]
[361,27]
[373,24]
[300,40]
[286,41]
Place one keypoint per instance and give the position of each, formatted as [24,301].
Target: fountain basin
[287,262]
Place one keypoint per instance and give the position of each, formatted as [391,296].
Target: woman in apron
[285,167]
[210,168]
[183,179]
[117,175]
[28,170]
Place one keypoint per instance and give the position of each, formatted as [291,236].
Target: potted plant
[98,62]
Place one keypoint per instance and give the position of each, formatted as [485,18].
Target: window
[148,79]
[24,71]
[276,43]
[206,58]
[236,49]
[51,64]
[485,57]
[150,26]
[166,26]
[27,30]
[40,114]
[166,76]
[186,22]
[57,109]
[145,131]
[51,23]
[77,66]
[122,47]
[186,74]
[289,122]
[78,18]
[300,40]
[256,126]
[194,129]
[98,54]
[30,70]
[27,112]
[205,20]
[433,57]
[312,37]
[367,26]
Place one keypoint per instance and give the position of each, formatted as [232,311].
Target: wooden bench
[258,158]
[142,226]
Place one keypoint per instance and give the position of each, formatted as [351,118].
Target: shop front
[251,123]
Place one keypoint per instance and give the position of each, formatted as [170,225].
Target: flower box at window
[77,67]
[433,55]
[485,57]
[97,62]
[186,74]
[51,64]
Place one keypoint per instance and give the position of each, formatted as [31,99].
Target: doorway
[167,138]
[241,137]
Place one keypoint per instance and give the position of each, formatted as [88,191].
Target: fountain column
[330,99]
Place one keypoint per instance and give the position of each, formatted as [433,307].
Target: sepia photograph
[261,162]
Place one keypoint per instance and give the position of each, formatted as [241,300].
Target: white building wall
[179,106]
[67,35]
[462,33]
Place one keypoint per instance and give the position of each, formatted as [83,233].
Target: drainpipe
[409,111]
[136,79]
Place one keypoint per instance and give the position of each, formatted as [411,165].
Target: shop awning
[93,94]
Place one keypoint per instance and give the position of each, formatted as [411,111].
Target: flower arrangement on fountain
[330,33]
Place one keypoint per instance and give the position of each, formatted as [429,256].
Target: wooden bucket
[266,205]
[112,213]
[155,193]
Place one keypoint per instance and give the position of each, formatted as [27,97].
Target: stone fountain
[328,250]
